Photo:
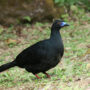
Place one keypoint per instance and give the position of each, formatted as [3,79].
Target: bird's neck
[55,34]
[57,40]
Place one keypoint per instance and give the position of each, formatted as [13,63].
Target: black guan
[43,55]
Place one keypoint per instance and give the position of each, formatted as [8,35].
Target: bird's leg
[47,74]
[37,76]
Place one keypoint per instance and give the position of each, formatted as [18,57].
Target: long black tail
[7,66]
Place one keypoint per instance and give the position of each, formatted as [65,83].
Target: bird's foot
[47,74]
[37,76]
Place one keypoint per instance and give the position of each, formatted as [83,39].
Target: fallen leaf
[88,66]
[9,41]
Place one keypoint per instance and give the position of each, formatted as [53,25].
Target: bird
[43,55]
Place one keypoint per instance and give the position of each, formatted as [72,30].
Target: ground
[72,73]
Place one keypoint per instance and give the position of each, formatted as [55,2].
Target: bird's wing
[34,54]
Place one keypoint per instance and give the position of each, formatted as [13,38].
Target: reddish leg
[47,74]
[37,76]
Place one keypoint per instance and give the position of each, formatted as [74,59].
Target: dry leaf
[9,41]
[88,66]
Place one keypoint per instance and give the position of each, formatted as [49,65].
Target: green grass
[72,73]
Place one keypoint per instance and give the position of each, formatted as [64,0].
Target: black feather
[7,66]
[41,56]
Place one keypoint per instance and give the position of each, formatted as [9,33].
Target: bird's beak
[64,24]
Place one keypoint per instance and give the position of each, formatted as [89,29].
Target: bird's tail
[7,66]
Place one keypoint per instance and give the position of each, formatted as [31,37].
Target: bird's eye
[59,23]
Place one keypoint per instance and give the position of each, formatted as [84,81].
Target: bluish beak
[64,24]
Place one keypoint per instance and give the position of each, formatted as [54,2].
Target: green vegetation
[65,2]
[27,18]
[73,9]
[73,71]
[80,3]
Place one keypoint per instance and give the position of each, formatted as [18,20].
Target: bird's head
[59,24]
